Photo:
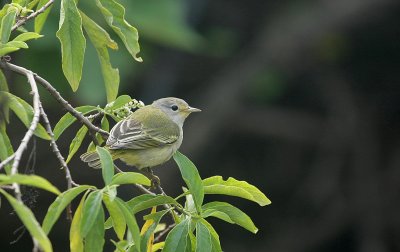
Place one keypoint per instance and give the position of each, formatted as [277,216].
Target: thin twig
[33,15]
[56,151]
[82,119]
[162,233]
[35,120]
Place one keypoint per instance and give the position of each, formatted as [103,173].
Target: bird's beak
[191,109]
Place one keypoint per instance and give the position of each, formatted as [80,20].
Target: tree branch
[22,21]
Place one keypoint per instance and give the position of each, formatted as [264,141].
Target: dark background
[300,98]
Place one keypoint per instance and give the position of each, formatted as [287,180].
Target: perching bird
[149,136]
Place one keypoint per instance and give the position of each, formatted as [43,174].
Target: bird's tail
[92,159]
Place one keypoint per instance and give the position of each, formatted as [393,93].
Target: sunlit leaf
[76,142]
[114,13]
[233,187]
[19,44]
[177,238]
[90,211]
[229,213]
[68,119]
[30,222]
[130,178]
[29,180]
[58,206]
[101,40]
[73,43]
[191,177]
[119,102]
[41,19]
[7,50]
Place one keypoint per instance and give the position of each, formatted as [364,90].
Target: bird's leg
[155,181]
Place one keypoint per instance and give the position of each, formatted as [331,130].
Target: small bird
[148,137]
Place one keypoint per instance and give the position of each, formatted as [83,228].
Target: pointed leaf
[130,178]
[41,19]
[191,177]
[58,206]
[94,240]
[176,240]
[27,36]
[30,222]
[229,213]
[7,50]
[216,245]
[73,43]
[75,237]
[107,165]
[29,180]
[19,44]
[119,102]
[101,40]
[203,238]
[131,222]
[233,187]
[153,219]
[6,24]
[68,119]
[117,217]
[114,14]
[6,150]
[90,211]
[146,201]
[76,142]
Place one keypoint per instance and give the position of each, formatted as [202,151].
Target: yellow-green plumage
[148,137]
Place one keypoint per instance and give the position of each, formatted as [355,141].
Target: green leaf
[30,222]
[6,150]
[30,180]
[27,36]
[203,238]
[76,142]
[6,24]
[146,201]
[176,240]
[75,237]
[233,187]
[94,240]
[191,177]
[229,213]
[90,211]
[7,50]
[216,245]
[130,178]
[119,102]
[156,217]
[117,217]
[58,206]
[41,19]
[130,221]
[107,165]
[24,112]
[101,40]
[73,43]
[18,44]
[114,13]
[68,119]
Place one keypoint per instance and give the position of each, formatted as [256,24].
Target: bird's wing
[132,134]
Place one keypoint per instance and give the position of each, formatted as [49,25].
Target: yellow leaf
[145,227]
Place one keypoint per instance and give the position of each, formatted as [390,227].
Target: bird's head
[177,109]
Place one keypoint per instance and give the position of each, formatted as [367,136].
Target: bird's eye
[174,107]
